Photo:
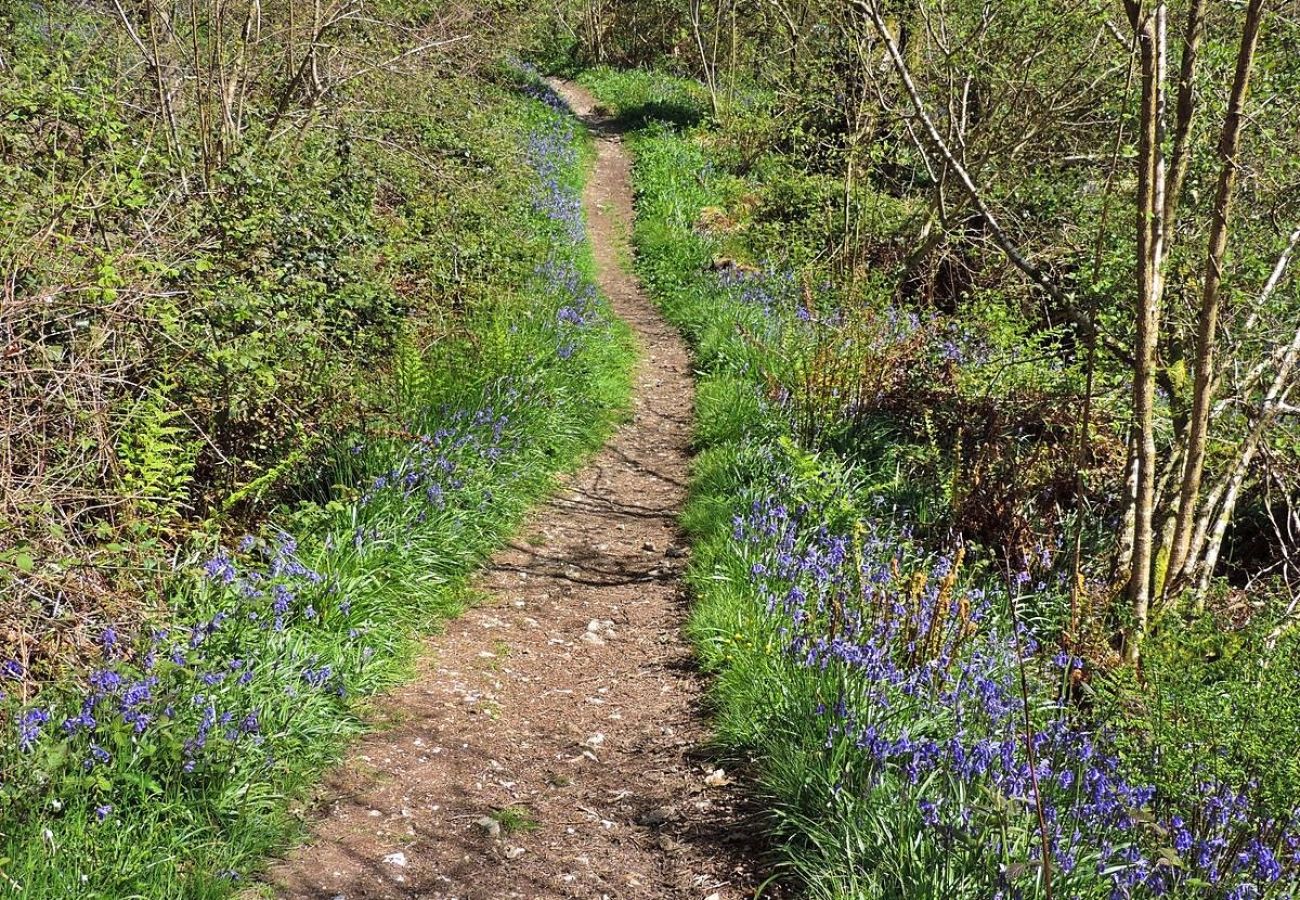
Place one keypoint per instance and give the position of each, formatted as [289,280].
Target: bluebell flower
[29,727]
[220,569]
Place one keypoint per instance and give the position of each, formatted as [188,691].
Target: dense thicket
[218,219]
[910,655]
[994,519]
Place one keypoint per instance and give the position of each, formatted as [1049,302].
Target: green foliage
[196,316]
[432,278]
[515,819]
[1214,703]
[156,465]
[638,97]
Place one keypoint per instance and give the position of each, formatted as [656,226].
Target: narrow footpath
[551,746]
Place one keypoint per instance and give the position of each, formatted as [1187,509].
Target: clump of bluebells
[186,701]
[791,304]
[930,732]
[179,701]
[551,151]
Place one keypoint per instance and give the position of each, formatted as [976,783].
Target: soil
[552,743]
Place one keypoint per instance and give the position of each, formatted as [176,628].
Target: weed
[515,820]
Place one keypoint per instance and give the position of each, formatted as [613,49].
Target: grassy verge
[168,770]
[918,727]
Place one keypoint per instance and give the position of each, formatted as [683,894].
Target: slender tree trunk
[1207,326]
[1207,540]
[697,28]
[1124,552]
[1231,490]
[1149,208]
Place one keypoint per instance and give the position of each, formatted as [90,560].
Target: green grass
[390,567]
[515,820]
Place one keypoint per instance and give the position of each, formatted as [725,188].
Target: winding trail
[569,693]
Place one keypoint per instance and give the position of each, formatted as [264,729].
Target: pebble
[716,778]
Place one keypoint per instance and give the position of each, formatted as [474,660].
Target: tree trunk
[1184,113]
[1149,229]
[697,28]
[1208,323]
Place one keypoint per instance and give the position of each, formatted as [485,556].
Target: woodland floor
[569,695]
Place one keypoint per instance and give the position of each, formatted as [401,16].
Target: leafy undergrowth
[917,716]
[167,770]
[204,296]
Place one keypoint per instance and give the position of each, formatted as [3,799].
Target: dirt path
[570,695]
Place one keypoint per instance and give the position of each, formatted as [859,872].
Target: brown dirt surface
[551,745]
